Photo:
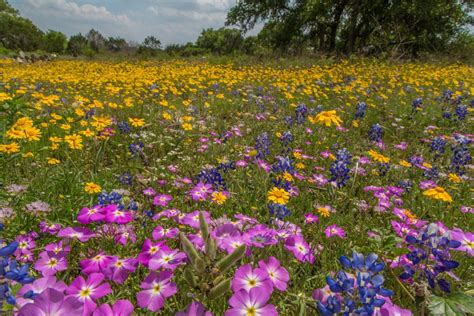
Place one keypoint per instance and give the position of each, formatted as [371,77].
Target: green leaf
[457,304]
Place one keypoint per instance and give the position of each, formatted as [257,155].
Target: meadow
[204,188]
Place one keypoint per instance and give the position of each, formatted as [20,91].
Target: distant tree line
[370,27]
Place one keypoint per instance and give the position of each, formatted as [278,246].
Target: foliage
[403,27]
[54,42]
[457,304]
[222,41]
[76,44]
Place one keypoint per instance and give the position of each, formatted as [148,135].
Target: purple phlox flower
[58,248]
[300,248]
[159,233]
[119,269]
[247,278]
[120,308]
[333,230]
[88,215]
[428,184]
[201,191]
[31,290]
[192,219]
[466,239]
[149,249]
[49,263]
[277,274]
[149,192]
[162,199]
[124,234]
[51,229]
[96,264]
[156,288]
[194,309]
[52,302]
[114,215]
[88,291]
[253,302]
[80,233]
[167,259]
[311,218]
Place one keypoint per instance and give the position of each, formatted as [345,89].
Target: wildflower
[262,145]
[9,148]
[340,168]
[278,196]
[98,263]
[114,215]
[361,108]
[300,248]
[53,302]
[74,141]
[156,288]
[160,232]
[194,309]
[53,161]
[49,263]
[88,291]
[136,122]
[378,157]
[311,218]
[253,302]
[92,188]
[277,274]
[376,133]
[219,197]
[118,269]
[324,211]
[438,193]
[82,234]
[38,207]
[166,259]
[187,126]
[87,215]
[120,308]
[454,178]
[280,211]
[333,230]
[247,278]
[162,199]
[328,118]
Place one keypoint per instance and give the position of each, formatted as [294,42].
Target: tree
[54,42]
[95,40]
[221,41]
[115,44]
[151,42]
[5,7]
[76,44]
[355,25]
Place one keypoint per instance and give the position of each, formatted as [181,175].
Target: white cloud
[87,12]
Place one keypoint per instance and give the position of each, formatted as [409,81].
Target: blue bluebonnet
[278,210]
[383,168]
[359,295]
[417,104]
[262,145]
[438,145]
[300,113]
[10,271]
[461,156]
[376,133]
[89,114]
[406,185]
[136,149]
[461,112]
[431,173]
[213,177]
[283,164]
[125,178]
[361,108]
[288,120]
[124,127]
[446,114]
[109,198]
[286,138]
[340,168]
[430,256]
[447,95]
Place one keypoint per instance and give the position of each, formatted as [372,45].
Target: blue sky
[172,21]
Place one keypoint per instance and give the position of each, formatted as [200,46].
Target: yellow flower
[438,193]
[187,126]
[218,197]
[378,157]
[288,177]
[454,178]
[427,165]
[53,161]
[297,154]
[300,165]
[136,122]
[28,155]
[9,148]
[32,134]
[92,188]
[278,196]
[404,163]
[74,141]
[323,211]
[328,118]
[101,122]
[167,116]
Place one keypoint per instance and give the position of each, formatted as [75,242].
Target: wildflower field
[193,188]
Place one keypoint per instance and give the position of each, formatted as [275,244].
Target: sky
[171,21]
